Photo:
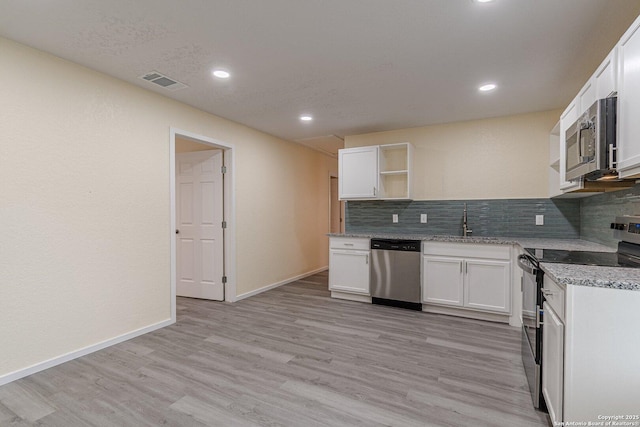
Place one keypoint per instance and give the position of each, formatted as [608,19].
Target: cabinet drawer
[554,295]
[467,250]
[356,243]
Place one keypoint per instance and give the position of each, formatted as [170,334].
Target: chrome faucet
[466,231]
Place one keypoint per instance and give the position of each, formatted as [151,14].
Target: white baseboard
[283,282]
[351,297]
[463,312]
[21,373]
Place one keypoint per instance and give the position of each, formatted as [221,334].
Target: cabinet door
[629,102]
[553,364]
[606,79]
[568,117]
[442,280]
[488,285]
[587,96]
[349,271]
[358,171]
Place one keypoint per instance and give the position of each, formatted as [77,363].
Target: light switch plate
[423,218]
[394,218]
[539,219]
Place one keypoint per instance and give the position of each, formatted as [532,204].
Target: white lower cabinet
[349,271]
[553,364]
[349,265]
[488,285]
[473,276]
[590,364]
[444,279]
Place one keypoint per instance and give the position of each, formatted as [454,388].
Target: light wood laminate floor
[292,357]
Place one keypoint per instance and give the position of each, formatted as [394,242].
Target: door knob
[177,231]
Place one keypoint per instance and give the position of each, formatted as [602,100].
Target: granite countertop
[565,244]
[432,238]
[564,274]
[593,275]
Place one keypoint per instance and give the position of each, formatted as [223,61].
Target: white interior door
[199,215]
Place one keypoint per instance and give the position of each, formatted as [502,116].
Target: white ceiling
[356,65]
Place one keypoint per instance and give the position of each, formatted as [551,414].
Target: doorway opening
[202,230]
[336,207]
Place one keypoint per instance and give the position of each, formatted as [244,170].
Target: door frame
[229,197]
[340,202]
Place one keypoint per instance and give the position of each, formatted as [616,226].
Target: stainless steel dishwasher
[395,273]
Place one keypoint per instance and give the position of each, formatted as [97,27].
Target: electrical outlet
[394,218]
[539,219]
[423,218]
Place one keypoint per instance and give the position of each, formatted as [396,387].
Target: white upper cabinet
[395,168]
[629,102]
[602,84]
[605,79]
[358,171]
[554,161]
[376,172]
[586,97]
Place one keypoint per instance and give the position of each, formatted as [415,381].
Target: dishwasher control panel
[396,245]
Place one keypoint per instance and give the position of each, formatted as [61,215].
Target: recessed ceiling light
[486,88]
[484,1]
[306,118]
[221,74]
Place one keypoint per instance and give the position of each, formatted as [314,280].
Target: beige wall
[85,209]
[499,158]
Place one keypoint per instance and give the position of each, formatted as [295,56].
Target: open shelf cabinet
[395,169]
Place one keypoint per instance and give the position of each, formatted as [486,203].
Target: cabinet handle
[374,191]
[461,262]
[366,260]
[348,244]
[466,270]
[547,292]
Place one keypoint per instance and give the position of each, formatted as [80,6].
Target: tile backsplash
[598,212]
[491,217]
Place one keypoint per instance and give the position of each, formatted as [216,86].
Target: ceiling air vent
[163,81]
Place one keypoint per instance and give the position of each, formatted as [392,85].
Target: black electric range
[605,259]
[626,230]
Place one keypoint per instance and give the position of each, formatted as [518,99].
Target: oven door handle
[538,312]
[527,262]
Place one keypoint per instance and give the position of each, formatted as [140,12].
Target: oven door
[531,328]
[530,308]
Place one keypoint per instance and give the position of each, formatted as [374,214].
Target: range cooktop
[605,259]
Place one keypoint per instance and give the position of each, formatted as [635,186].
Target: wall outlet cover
[423,218]
[539,219]
[394,218]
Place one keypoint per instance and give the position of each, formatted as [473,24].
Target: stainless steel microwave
[591,143]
